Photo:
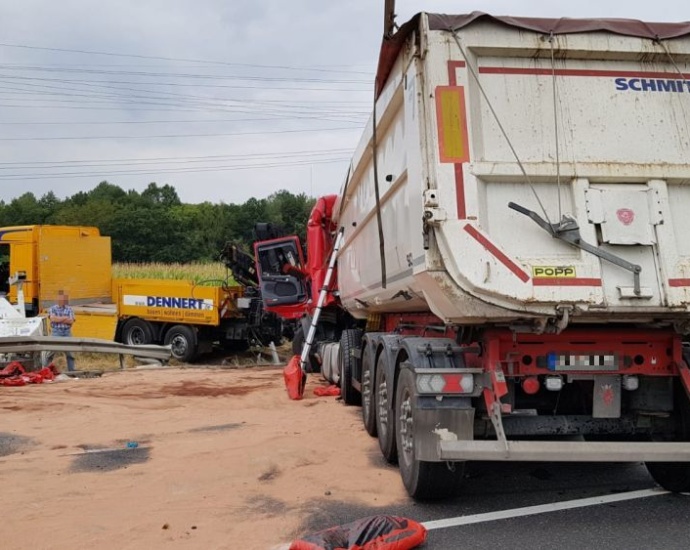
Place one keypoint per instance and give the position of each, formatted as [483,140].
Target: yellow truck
[77,261]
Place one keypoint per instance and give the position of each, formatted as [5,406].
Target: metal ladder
[322,298]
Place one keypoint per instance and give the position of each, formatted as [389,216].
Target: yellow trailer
[77,261]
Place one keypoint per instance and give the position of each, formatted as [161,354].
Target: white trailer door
[625,217]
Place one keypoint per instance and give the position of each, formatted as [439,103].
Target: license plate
[570,362]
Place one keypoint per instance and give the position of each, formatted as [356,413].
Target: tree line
[155,225]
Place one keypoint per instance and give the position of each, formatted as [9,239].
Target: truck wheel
[297,345]
[385,425]
[675,476]
[137,332]
[350,342]
[298,341]
[423,480]
[672,476]
[182,340]
[368,393]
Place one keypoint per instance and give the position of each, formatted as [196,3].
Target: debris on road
[327,391]
[15,374]
[375,532]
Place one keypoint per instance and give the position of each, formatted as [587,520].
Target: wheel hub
[136,336]
[178,345]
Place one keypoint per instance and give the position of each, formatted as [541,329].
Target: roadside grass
[95,361]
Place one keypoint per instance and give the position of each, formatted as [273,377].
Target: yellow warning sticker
[452,124]
[553,272]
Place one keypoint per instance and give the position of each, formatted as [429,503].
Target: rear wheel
[350,342]
[423,480]
[137,332]
[182,341]
[385,427]
[675,476]
[368,393]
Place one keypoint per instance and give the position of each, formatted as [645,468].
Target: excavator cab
[282,276]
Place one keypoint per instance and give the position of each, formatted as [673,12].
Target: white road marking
[542,509]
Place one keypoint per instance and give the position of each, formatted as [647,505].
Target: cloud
[279,76]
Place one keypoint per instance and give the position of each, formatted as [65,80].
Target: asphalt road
[658,521]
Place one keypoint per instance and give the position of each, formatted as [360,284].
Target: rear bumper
[564,451]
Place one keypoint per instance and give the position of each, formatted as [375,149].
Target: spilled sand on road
[222,460]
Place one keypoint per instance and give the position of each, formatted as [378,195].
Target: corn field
[209,274]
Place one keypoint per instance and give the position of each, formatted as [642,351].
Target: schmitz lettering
[652,85]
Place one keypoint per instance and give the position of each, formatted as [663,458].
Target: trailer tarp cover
[628,27]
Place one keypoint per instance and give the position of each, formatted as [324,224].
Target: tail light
[445,383]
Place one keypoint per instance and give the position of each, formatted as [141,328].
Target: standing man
[61,318]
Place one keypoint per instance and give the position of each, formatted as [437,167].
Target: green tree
[155,225]
[24,210]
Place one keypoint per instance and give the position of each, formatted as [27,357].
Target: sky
[223,99]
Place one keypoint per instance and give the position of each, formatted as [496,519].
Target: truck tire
[350,342]
[298,341]
[672,476]
[675,476]
[368,393]
[422,480]
[182,340]
[137,332]
[385,425]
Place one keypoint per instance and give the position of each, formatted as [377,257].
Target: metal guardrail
[27,344]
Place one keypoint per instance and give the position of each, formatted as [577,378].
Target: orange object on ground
[327,391]
[295,379]
[372,533]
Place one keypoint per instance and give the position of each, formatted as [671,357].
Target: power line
[17,177]
[84,108]
[200,101]
[297,112]
[198,85]
[304,130]
[107,122]
[200,76]
[66,164]
[161,58]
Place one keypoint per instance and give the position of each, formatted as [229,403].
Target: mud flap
[431,417]
[607,396]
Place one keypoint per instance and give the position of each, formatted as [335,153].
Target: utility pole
[389,18]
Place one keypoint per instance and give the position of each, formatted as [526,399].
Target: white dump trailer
[588,130]
[516,257]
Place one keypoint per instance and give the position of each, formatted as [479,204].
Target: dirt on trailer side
[187,458]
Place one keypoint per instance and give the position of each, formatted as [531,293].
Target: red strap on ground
[13,369]
[15,381]
[19,376]
[327,391]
